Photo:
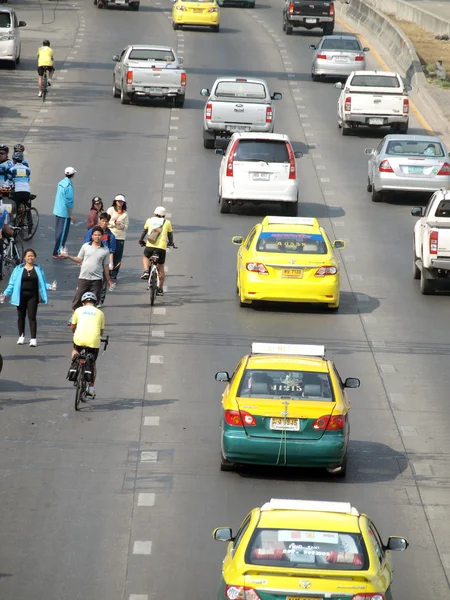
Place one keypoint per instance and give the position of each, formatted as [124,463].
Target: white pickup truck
[432,241]
[373,99]
[149,71]
[237,104]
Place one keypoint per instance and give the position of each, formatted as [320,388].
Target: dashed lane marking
[160,310]
[146,499]
[169,185]
[325,179]
[167,199]
[349,258]
[142,547]
[151,421]
[369,319]
[156,359]
[397,398]
[149,456]
[153,388]
[408,430]
[157,333]
[170,172]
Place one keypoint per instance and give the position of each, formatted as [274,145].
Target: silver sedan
[337,56]
[407,163]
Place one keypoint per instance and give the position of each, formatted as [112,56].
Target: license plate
[237,128]
[198,10]
[261,176]
[415,169]
[154,90]
[341,59]
[296,273]
[310,20]
[285,424]
[120,2]
[375,121]
[302,598]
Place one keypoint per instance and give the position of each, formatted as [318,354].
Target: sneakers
[145,275]
[40,94]
[49,83]
[160,292]
[21,340]
[33,342]
[91,391]
[100,305]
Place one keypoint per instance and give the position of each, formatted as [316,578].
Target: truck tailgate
[374,103]
[443,230]
[154,76]
[311,8]
[241,113]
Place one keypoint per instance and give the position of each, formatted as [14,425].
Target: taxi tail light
[434,236]
[292,167]
[129,77]
[330,423]
[257,268]
[239,418]
[269,114]
[331,11]
[327,270]
[291,8]
[182,8]
[371,595]
[405,106]
[445,169]
[322,56]
[241,592]
[208,114]
[214,9]
[348,103]
[359,57]
[183,79]
[230,160]
[385,167]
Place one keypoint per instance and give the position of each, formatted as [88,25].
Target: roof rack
[291,349]
[311,221]
[344,508]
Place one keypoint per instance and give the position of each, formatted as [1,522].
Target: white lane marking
[142,547]
[146,499]
[325,179]
[160,310]
[59,77]
[157,333]
[152,388]
[169,185]
[339,223]
[422,469]
[330,193]
[165,288]
[39,120]
[151,421]
[309,134]
[173,127]
[318,167]
[35,129]
[408,430]
[167,199]
[173,137]
[387,368]
[175,110]
[171,160]
[315,154]
[355,276]
[378,344]
[300,106]
[170,172]
[306,124]
[169,216]
[172,148]
[149,456]
[295,90]
[362,298]
[287,62]
[397,398]
[349,258]
[303,116]
[290,74]
[369,319]
[156,359]
[64,70]
[180,45]
[77,45]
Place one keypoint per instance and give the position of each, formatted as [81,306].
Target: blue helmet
[89,297]
[18,156]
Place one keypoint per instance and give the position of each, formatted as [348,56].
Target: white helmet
[160,211]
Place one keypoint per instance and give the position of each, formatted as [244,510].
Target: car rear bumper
[263,193]
[8,50]
[337,69]
[158,92]
[323,291]
[219,129]
[198,20]
[327,452]
[394,183]
[301,20]
[364,119]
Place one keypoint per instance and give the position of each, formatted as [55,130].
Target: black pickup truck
[308,14]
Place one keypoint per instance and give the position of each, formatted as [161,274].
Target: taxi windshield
[291,243]
[310,549]
[296,385]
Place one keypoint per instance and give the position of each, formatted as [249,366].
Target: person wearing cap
[5,162]
[96,209]
[118,225]
[63,210]
[158,231]
[19,175]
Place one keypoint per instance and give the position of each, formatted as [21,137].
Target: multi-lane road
[118,502]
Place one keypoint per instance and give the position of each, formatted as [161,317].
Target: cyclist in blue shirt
[19,175]
[5,162]
[108,241]
[21,148]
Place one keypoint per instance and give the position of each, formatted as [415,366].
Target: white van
[10,36]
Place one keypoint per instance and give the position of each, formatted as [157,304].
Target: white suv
[10,36]
[258,168]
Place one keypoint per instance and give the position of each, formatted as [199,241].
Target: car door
[119,66]
[383,565]
[374,162]
[233,546]
[244,250]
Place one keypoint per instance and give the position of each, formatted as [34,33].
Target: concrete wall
[408,12]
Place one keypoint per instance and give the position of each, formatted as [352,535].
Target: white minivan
[10,36]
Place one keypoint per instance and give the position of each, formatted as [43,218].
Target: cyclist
[5,162]
[108,241]
[21,148]
[88,323]
[19,175]
[158,231]
[45,57]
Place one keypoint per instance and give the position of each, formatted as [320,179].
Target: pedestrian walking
[96,209]
[118,224]
[109,241]
[63,210]
[27,287]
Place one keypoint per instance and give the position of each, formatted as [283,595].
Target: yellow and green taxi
[197,13]
[286,405]
[288,259]
[306,550]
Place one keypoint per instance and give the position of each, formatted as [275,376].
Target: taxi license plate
[375,121]
[415,169]
[301,598]
[198,10]
[295,273]
[282,424]
[261,176]
[311,20]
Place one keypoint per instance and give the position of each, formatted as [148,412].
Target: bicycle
[44,83]
[12,251]
[82,377]
[27,219]
[153,277]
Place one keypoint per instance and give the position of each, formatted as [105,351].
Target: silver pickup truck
[237,104]
[151,72]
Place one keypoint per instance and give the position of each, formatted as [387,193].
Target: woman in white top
[118,225]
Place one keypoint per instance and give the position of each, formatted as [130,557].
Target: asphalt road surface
[119,501]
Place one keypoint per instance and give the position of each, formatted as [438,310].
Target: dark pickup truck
[308,14]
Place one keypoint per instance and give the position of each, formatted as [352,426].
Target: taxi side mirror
[352,382]
[204,92]
[417,211]
[237,240]
[223,534]
[338,244]
[222,376]
[339,85]
[396,543]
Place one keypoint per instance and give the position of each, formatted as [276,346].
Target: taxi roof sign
[292,349]
[292,221]
[310,505]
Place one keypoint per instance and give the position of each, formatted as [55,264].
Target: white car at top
[10,36]
[258,168]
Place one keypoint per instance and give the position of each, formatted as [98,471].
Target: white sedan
[258,168]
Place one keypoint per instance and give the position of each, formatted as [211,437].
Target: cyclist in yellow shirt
[45,57]
[158,231]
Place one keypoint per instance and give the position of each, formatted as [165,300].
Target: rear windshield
[330,550]
[153,55]
[412,148]
[387,81]
[271,151]
[5,19]
[296,385]
[443,210]
[240,89]
[291,243]
[331,44]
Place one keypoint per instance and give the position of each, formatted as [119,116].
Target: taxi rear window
[310,549]
[295,385]
[291,243]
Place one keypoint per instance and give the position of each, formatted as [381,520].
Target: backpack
[156,225]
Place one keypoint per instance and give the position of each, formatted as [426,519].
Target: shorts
[149,251]
[40,70]
[86,285]
[93,351]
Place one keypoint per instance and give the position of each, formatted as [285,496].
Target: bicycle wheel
[44,86]
[79,388]
[29,223]
[153,284]
[17,251]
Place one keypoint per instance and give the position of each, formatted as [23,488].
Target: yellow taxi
[306,550]
[285,405]
[196,13]
[288,259]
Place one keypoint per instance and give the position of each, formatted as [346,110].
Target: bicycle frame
[82,386]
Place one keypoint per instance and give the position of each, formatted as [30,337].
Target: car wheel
[291,208]
[315,77]
[226,465]
[333,307]
[403,127]
[207,143]
[175,26]
[215,28]
[289,29]
[124,99]
[115,91]
[179,100]
[369,185]
[136,6]
[416,270]
[251,5]
[284,24]
[328,29]
[18,59]
[376,196]
[345,129]
[224,206]
[426,285]
[343,471]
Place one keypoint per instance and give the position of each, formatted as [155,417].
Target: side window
[240,534]
[122,55]
[250,237]
[235,371]
[376,541]
[378,148]
[429,205]
[338,377]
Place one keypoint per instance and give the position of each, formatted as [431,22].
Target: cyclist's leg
[161,262]
[40,71]
[146,261]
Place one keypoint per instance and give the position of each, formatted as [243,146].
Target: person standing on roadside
[109,241]
[118,224]
[63,210]
[96,209]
